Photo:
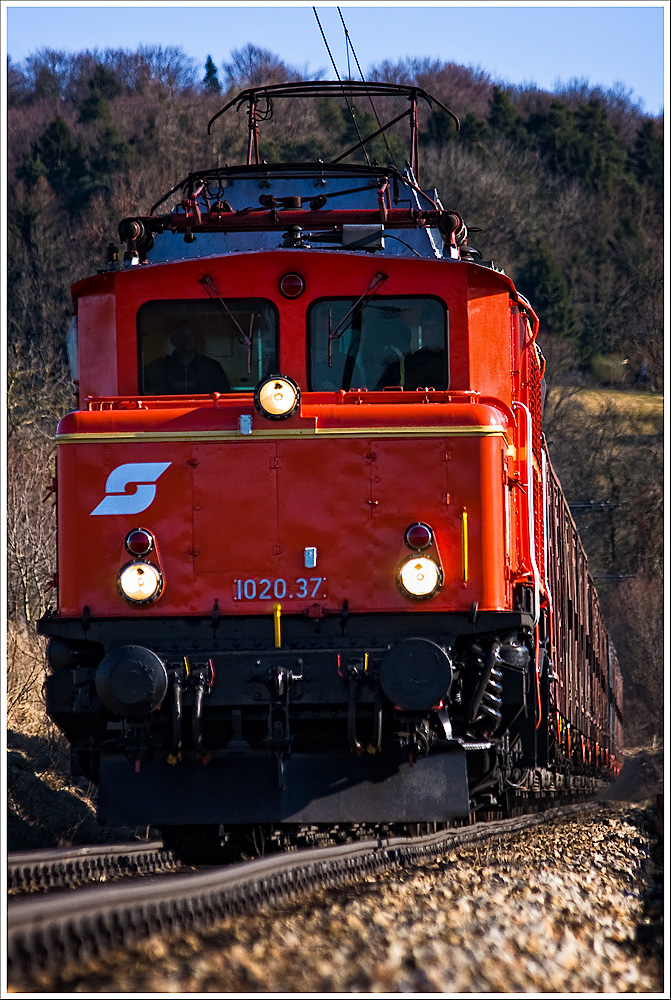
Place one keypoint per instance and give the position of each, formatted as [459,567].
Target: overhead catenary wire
[335,68]
[350,45]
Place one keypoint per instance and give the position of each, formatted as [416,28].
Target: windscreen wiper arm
[208,284]
[360,304]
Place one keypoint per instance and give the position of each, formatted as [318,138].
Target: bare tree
[252,66]
[31,560]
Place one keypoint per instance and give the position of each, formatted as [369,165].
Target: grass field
[646,408]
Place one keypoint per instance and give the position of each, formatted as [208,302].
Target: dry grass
[645,408]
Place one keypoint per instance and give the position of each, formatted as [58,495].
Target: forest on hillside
[564,191]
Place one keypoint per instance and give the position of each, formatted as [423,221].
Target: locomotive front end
[303,558]
[278,578]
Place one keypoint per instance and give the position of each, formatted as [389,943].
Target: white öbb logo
[142,475]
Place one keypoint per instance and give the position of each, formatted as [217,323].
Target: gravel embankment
[567,908]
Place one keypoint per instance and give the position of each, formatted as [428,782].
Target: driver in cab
[186,371]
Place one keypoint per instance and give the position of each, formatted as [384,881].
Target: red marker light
[139,542]
[291,286]
[418,536]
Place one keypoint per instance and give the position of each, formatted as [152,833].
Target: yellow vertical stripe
[277,612]
[464,545]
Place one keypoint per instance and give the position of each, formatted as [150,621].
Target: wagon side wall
[588,685]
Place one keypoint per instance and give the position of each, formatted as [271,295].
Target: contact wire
[335,68]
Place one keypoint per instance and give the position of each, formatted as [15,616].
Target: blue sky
[542,43]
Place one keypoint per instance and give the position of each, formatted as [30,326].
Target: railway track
[46,932]
[69,867]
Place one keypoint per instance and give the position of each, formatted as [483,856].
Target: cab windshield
[191,347]
[384,343]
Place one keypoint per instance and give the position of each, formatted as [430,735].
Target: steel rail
[44,932]
[69,866]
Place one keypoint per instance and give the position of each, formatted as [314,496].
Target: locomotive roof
[341,206]
[263,206]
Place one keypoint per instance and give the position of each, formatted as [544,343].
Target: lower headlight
[140,582]
[420,578]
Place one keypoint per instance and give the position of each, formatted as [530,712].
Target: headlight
[277,397]
[140,582]
[420,578]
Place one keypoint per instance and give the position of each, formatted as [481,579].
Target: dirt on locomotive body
[315,566]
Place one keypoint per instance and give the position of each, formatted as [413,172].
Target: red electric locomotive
[314,564]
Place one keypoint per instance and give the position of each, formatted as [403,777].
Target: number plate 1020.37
[279,589]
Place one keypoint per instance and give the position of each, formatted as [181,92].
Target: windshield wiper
[360,304]
[245,338]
